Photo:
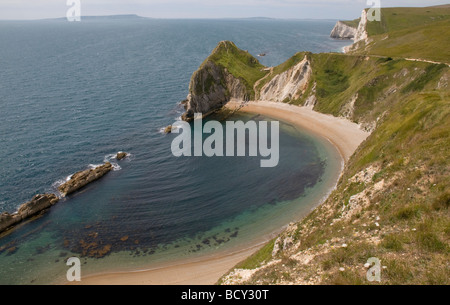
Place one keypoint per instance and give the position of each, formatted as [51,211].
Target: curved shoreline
[343,134]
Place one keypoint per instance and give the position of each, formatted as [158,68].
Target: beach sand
[342,133]
[345,135]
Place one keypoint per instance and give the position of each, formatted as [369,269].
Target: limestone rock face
[361,32]
[343,31]
[211,87]
[290,84]
[38,204]
[83,178]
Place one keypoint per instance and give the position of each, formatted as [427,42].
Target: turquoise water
[73,94]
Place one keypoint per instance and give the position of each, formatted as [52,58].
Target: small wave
[94,166]
[110,157]
[116,167]
[60,182]
[174,128]
[56,185]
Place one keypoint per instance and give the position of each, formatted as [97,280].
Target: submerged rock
[83,178]
[38,204]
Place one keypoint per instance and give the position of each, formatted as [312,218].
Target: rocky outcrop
[121,155]
[343,31]
[83,178]
[168,129]
[32,208]
[212,85]
[361,32]
[290,84]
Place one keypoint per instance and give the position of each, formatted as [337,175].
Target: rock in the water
[83,178]
[168,129]
[38,204]
[121,155]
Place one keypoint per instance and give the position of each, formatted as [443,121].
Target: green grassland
[352,23]
[396,19]
[422,33]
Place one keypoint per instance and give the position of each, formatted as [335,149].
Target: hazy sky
[317,9]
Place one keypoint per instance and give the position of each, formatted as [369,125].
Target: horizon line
[171,18]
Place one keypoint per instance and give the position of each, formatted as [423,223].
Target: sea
[73,94]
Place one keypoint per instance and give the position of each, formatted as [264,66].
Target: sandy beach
[346,137]
[344,134]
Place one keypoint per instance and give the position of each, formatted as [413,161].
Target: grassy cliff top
[352,23]
[422,33]
[241,64]
[401,18]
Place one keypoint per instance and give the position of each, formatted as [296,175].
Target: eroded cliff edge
[355,30]
[343,30]
[228,73]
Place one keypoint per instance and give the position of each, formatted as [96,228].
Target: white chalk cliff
[290,84]
[361,32]
[343,31]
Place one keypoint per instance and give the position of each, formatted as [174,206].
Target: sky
[298,9]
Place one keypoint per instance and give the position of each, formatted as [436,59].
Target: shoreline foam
[346,136]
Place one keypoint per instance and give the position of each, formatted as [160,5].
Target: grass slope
[352,23]
[422,33]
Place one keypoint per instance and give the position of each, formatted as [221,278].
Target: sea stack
[83,178]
